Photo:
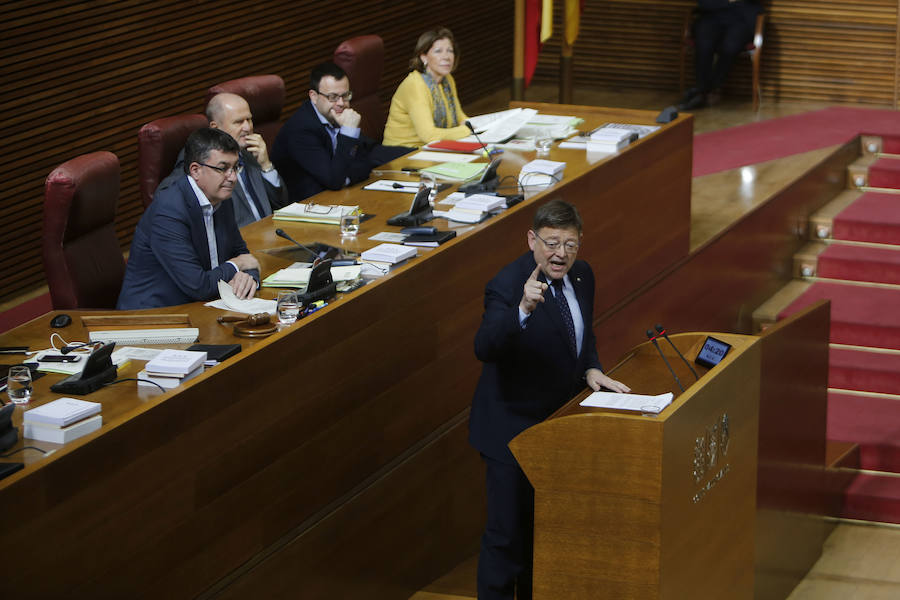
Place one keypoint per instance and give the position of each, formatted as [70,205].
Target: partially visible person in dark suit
[321,146]
[259,189]
[539,351]
[187,239]
[722,30]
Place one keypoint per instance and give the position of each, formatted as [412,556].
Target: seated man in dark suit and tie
[259,189]
[539,351]
[321,146]
[187,240]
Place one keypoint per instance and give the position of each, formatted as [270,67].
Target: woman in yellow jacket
[425,106]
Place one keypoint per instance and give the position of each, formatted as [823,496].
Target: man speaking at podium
[539,351]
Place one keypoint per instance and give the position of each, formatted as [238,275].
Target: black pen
[14,350]
[409,170]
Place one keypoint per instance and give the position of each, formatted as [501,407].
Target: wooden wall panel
[84,76]
[816,50]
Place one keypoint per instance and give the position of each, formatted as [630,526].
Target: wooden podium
[666,506]
[629,506]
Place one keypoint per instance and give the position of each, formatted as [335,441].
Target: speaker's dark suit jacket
[169,260]
[529,372]
[270,197]
[309,163]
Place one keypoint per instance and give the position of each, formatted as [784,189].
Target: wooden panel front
[177,492]
[618,512]
[85,76]
[814,50]
[792,494]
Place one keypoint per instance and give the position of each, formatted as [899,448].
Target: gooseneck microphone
[661,331]
[652,339]
[280,233]
[475,133]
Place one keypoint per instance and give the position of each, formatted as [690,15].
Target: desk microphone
[661,331]
[652,339]
[280,233]
[483,145]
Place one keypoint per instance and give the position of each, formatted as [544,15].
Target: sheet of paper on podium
[637,402]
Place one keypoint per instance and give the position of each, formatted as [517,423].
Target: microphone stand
[663,356]
[661,331]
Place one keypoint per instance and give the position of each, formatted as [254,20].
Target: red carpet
[873,498]
[873,217]
[890,144]
[885,173]
[776,138]
[860,263]
[25,312]
[871,422]
[860,316]
[864,371]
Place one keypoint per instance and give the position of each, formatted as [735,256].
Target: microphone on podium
[281,233]
[661,331]
[652,339]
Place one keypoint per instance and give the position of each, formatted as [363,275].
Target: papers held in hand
[314,213]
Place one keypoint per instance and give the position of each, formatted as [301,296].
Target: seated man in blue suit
[259,189]
[539,351]
[321,147]
[187,240]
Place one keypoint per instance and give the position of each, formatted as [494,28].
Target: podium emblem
[724,435]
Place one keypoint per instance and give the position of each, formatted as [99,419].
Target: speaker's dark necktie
[565,312]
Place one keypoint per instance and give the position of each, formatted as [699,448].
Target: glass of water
[288,307]
[542,145]
[18,384]
[350,224]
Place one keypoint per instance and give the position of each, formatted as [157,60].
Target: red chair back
[159,143]
[265,94]
[363,60]
[82,259]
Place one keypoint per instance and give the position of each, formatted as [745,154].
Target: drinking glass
[542,145]
[350,224]
[18,384]
[288,307]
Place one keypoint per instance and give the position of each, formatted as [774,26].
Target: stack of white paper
[609,139]
[62,420]
[388,253]
[541,172]
[175,362]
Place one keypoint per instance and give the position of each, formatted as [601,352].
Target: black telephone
[321,284]
[98,371]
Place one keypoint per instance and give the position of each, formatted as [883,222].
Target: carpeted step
[859,263]
[873,497]
[884,173]
[860,315]
[890,144]
[872,422]
[873,217]
[865,371]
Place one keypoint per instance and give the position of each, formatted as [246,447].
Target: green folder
[456,171]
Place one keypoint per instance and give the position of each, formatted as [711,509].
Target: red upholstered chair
[265,95]
[159,143]
[363,60]
[82,259]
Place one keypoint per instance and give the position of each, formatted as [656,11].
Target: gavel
[255,319]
